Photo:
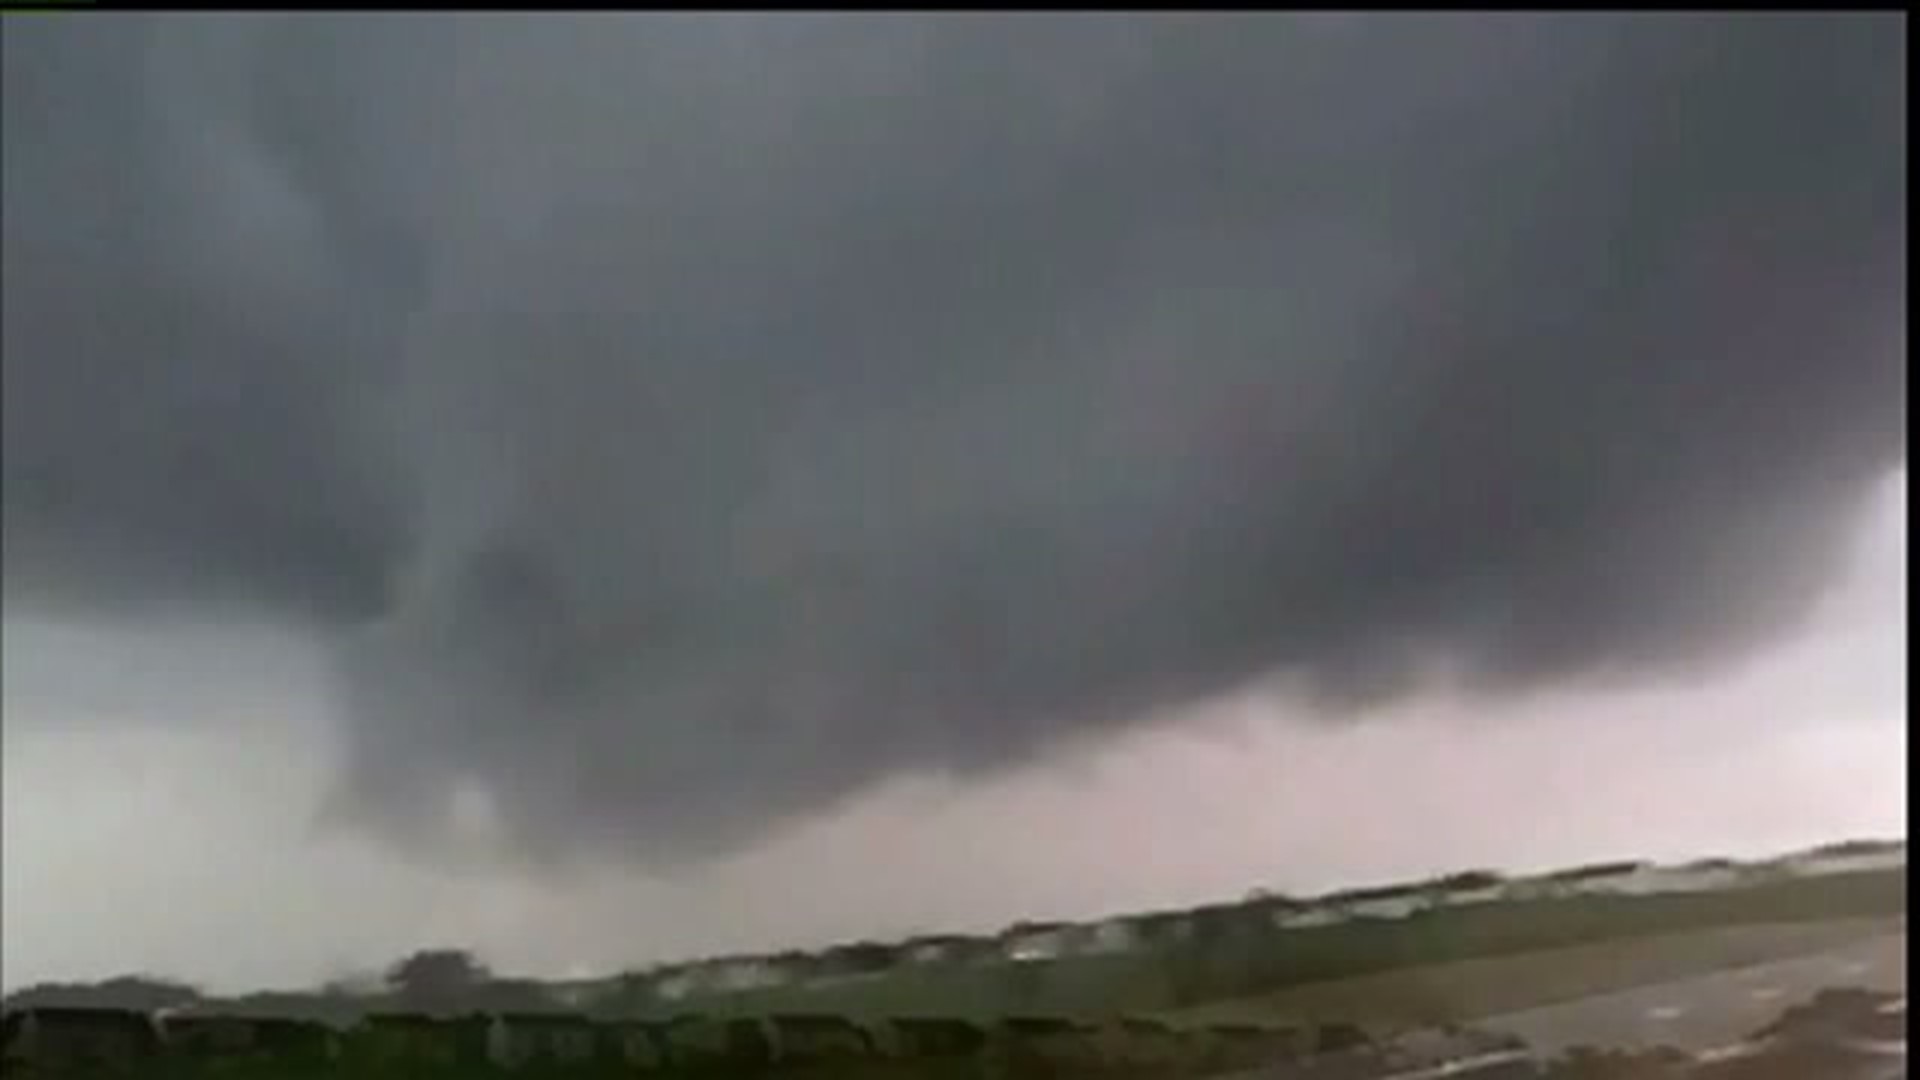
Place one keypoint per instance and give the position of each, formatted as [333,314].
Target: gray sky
[188,847]
[642,479]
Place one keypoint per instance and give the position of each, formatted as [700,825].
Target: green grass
[1464,990]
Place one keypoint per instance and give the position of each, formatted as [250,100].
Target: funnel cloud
[673,425]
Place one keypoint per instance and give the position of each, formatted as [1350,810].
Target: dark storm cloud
[678,423]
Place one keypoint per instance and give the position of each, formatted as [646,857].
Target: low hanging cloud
[673,425]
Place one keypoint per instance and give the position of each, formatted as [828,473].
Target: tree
[860,958]
[434,980]
[1469,881]
[140,993]
[639,991]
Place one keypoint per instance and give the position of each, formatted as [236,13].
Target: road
[1709,1011]
[1701,1014]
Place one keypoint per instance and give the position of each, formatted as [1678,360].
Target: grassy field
[1269,961]
[1465,990]
[1443,965]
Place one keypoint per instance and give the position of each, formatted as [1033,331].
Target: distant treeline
[1230,958]
[1226,957]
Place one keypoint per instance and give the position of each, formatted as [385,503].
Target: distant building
[1162,927]
[1114,935]
[1035,941]
[1602,877]
[723,975]
[1383,902]
[1650,880]
[937,949]
[1466,887]
[856,960]
[676,982]
[1219,922]
[585,991]
[369,984]
[1536,888]
[1851,857]
[743,973]
[1307,917]
[1483,894]
[1101,938]
[1632,879]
